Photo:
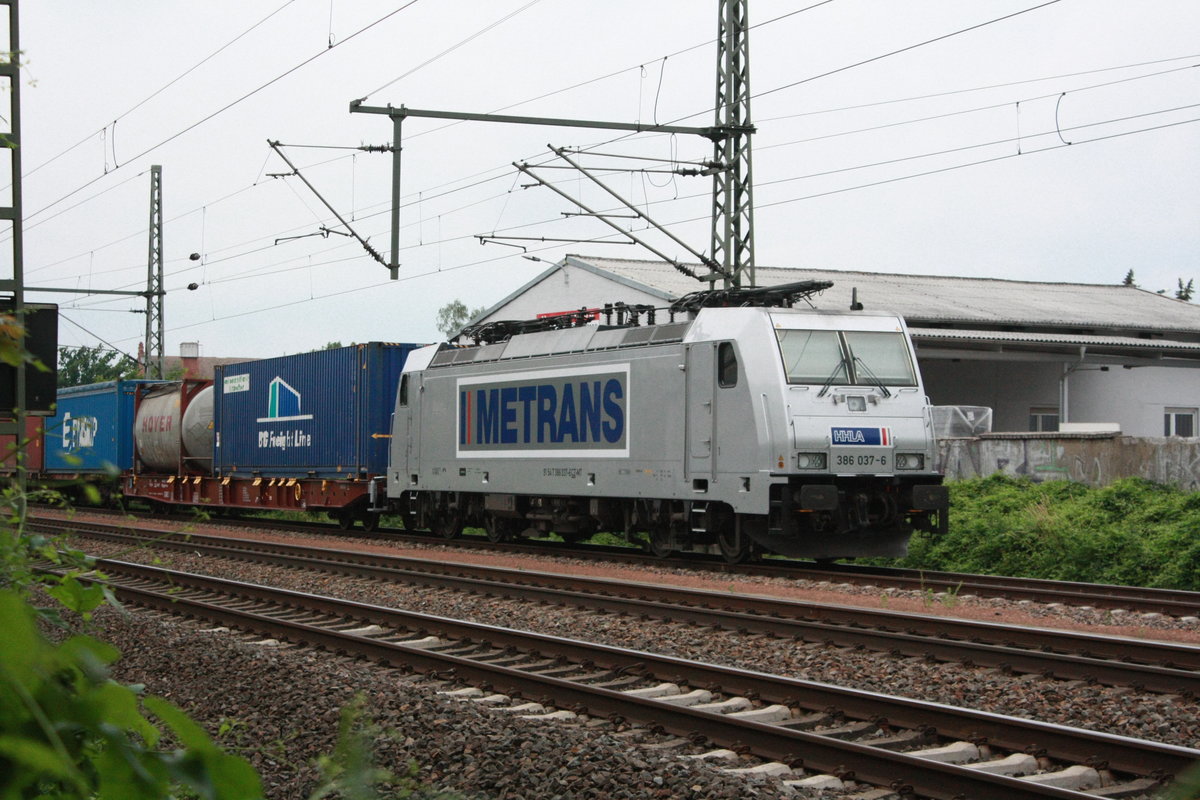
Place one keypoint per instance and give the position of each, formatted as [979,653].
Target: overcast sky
[1059,144]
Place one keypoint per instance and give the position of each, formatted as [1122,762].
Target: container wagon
[302,432]
[87,440]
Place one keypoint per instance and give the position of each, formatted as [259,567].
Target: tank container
[163,435]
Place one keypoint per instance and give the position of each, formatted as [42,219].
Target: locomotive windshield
[853,358]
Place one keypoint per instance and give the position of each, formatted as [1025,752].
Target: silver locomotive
[741,425]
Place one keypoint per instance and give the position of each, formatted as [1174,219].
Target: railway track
[811,733]
[1115,598]
[1147,665]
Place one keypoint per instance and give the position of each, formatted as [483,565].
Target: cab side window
[727,365]
[404,389]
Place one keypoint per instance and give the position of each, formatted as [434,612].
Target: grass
[1132,532]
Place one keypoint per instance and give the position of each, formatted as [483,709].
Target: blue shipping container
[325,414]
[92,430]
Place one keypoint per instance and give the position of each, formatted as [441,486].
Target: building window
[1179,422]
[1043,419]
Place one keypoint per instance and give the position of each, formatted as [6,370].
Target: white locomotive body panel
[805,432]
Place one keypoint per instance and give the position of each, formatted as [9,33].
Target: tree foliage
[1129,279]
[452,317]
[1185,291]
[79,366]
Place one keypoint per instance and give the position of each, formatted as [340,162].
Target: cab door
[406,430]
[700,421]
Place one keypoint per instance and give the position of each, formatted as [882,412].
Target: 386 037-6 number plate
[860,459]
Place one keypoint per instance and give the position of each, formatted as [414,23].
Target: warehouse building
[1041,356]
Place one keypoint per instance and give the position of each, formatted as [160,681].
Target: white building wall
[1136,398]
[1009,388]
[570,290]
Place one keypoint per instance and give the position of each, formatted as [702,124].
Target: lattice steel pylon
[154,280]
[733,186]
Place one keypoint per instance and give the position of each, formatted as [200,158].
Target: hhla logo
[283,403]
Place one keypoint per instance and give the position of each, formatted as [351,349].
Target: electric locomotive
[739,425]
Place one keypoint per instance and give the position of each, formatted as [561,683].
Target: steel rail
[1170,602]
[1149,665]
[871,764]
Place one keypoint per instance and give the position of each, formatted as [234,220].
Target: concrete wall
[1094,460]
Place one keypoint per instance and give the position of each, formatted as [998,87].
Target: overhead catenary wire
[157,91]
[981,162]
[1005,85]
[227,106]
[684,50]
[439,236]
[505,256]
[767,183]
[623,70]
[860,106]
[868,185]
[268,270]
[452,48]
[846,67]
[905,49]
[97,337]
[976,109]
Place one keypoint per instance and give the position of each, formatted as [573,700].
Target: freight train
[738,425]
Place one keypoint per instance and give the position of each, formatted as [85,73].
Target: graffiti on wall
[1094,460]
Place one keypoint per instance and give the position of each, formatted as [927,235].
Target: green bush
[68,731]
[1132,532]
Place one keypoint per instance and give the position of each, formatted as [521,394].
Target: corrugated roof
[942,299]
[1095,344]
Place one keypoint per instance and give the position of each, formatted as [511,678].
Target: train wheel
[370,521]
[345,519]
[734,547]
[448,524]
[499,529]
[659,541]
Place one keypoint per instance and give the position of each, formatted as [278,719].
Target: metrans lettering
[560,411]
[864,436]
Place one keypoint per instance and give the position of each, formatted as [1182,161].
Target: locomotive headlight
[810,461]
[910,461]
[856,402]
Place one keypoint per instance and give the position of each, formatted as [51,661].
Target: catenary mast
[733,188]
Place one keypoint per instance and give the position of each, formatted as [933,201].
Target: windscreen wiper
[867,370]
[829,381]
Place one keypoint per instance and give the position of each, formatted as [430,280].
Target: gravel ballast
[289,699]
[284,705]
